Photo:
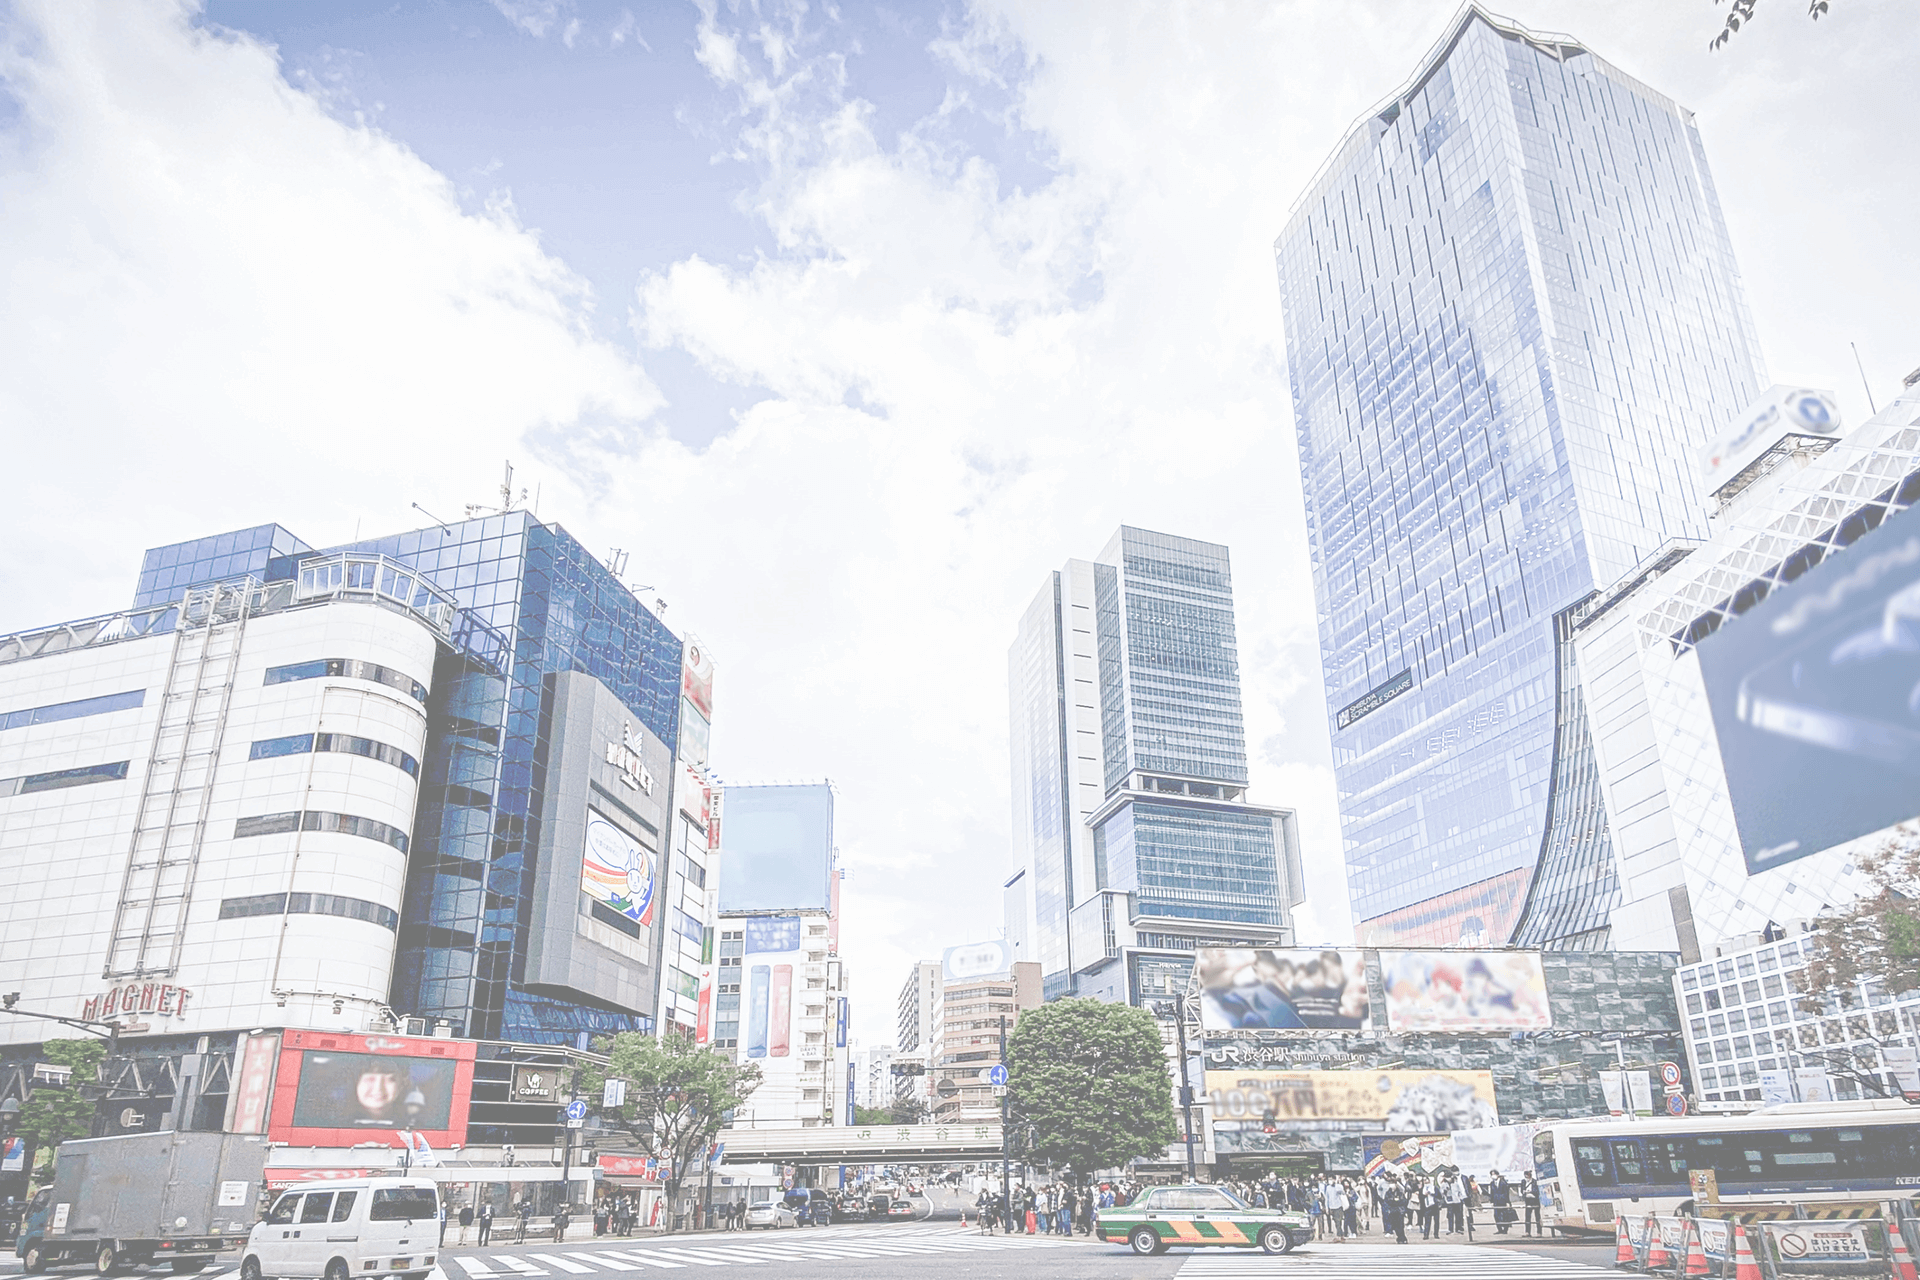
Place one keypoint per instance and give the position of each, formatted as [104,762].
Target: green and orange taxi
[1161,1217]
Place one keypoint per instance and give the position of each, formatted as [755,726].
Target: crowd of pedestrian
[1437,1204]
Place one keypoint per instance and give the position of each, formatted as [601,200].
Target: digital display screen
[373,1091]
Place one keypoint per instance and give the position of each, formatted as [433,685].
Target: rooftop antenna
[446,530]
[1863,376]
[616,562]
[508,501]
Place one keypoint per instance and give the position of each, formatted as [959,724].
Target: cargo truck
[145,1198]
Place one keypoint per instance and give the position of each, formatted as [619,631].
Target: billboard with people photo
[336,1089]
[1465,991]
[1245,989]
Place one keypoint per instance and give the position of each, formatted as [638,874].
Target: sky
[847,321]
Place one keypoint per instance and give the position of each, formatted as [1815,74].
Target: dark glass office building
[549,655]
[1513,318]
[1134,839]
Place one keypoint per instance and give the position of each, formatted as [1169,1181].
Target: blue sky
[605,132]
[849,322]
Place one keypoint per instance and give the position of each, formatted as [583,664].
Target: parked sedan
[770,1214]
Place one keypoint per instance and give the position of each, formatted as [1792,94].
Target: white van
[351,1228]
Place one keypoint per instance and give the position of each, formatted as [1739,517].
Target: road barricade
[1820,1249]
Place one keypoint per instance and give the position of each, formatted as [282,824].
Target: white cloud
[222,306]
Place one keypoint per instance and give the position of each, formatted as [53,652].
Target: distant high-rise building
[1133,839]
[913,1041]
[1512,316]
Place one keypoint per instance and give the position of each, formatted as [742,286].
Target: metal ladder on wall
[170,824]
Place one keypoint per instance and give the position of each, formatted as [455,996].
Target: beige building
[966,1038]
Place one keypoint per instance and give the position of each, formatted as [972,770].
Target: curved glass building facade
[1512,318]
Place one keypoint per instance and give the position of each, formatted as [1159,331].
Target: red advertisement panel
[779,1023]
[253,1082]
[703,1029]
[336,1089]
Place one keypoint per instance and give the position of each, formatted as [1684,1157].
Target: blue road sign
[577,1110]
[997,1076]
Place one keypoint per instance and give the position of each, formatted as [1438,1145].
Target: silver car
[770,1214]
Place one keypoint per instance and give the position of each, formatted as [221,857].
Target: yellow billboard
[1397,1101]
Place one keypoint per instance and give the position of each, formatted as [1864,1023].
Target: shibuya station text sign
[160,998]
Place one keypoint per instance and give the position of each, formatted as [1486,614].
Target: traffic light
[1269,1123]
[909,1068]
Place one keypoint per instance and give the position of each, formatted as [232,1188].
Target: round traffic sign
[577,1110]
[998,1075]
[1669,1073]
[1677,1104]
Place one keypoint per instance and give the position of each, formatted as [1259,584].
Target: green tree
[873,1116]
[1876,937]
[908,1111]
[1741,13]
[677,1092]
[54,1113]
[1091,1081]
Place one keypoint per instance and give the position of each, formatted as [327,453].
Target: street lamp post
[1186,1086]
[1006,1168]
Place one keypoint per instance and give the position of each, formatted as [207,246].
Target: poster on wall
[1276,990]
[616,872]
[1398,1101]
[1465,991]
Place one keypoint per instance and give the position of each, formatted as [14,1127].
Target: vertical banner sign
[840,1023]
[780,1019]
[703,1024]
[850,1069]
[259,1059]
[757,1002]
[13,1153]
[1813,1084]
[1614,1086]
[1640,1092]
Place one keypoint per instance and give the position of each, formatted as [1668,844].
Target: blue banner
[850,1077]
[840,1024]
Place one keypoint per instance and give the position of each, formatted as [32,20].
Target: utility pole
[1186,1088]
[1006,1170]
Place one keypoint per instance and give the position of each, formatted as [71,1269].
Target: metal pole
[1006,1170]
[1186,1088]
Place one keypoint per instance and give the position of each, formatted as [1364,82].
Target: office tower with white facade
[1133,839]
[919,1002]
[1512,318]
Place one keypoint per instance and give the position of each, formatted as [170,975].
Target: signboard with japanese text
[1399,1101]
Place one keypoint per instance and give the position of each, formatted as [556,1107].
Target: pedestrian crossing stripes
[1388,1262]
[689,1253]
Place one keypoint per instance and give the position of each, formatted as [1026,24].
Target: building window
[310,904]
[58,711]
[302,743]
[61,779]
[351,669]
[268,824]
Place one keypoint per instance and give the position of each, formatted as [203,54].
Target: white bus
[1591,1171]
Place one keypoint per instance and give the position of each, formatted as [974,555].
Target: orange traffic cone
[1696,1264]
[1903,1268]
[1744,1266]
[1623,1254]
[1658,1255]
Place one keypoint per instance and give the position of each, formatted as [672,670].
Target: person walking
[560,1224]
[485,1220]
[1393,1210]
[1530,1197]
[466,1220]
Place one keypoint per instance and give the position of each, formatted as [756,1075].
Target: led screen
[373,1091]
[1465,991]
[777,847]
[1815,694]
[1274,990]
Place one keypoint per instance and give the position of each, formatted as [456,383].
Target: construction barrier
[1725,1248]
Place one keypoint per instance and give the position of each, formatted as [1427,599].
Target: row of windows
[270,824]
[310,904]
[60,779]
[1797,1154]
[351,669]
[302,743]
[57,711]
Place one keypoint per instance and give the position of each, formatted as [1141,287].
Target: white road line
[694,1256]
[555,1260]
[475,1268]
[606,1258]
[516,1266]
[641,1259]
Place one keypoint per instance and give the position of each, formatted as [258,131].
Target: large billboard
[1812,692]
[616,872]
[976,960]
[777,848]
[1396,1101]
[1276,990]
[1465,991]
[773,959]
[339,1090]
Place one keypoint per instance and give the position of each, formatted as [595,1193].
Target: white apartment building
[916,1009]
[206,808]
[791,986]
[1686,882]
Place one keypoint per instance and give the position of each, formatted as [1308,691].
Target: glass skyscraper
[533,606]
[1512,319]
[1132,834]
